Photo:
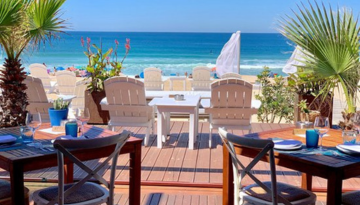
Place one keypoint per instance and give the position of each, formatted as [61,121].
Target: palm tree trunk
[13,100]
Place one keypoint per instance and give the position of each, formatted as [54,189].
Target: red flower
[88,40]
[116,42]
[127,45]
[82,41]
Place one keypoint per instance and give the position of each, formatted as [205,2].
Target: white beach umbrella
[229,58]
[296,59]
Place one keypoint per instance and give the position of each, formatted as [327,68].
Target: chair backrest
[152,79]
[265,147]
[79,100]
[126,100]
[64,145]
[66,81]
[201,78]
[231,100]
[38,101]
[40,71]
[231,75]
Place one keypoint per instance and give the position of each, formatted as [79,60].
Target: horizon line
[172,32]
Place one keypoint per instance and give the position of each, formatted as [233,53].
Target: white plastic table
[167,105]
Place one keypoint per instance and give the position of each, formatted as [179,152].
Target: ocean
[172,52]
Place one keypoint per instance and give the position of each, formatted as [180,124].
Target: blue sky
[251,16]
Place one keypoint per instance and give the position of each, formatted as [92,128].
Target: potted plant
[330,41]
[97,74]
[59,112]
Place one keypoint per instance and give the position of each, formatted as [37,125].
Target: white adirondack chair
[230,105]
[38,102]
[152,79]
[201,78]
[38,70]
[66,81]
[231,75]
[79,101]
[127,104]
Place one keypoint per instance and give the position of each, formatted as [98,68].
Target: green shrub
[277,99]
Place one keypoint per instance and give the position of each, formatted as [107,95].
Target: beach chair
[79,101]
[230,105]
[83,192]
[126,103]
[268,192]
[66,81]
[201,78]
[38,70]
[5,193]
[231,75]
[37,99]
[153,79]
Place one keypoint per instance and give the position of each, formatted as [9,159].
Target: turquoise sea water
[172,52]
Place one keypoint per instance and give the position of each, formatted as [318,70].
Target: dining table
[21,158]
[330,164]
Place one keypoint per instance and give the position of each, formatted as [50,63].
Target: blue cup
[71,128]
[312,139]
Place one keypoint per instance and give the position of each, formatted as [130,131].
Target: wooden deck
[176,165]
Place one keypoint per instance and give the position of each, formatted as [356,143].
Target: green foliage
[99,61]
[24,24]
[330,39]
[277,99]
[60,104]
[303,107]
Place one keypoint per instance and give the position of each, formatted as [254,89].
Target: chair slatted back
[40,71]
[126,98]
[231,99]
[231,75]
[201,78]
[64,146]
[66,81]
[79,100]
[266,149]
[38,101]
[152,79]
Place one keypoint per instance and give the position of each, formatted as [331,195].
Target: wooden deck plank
[162,162]
[173,170]
[202,172]
[189,164]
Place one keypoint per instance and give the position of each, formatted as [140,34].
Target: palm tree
[331,43]
[23,24]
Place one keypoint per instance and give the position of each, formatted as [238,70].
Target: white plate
[349,149]
[288,147]
[5,139]
[287,144]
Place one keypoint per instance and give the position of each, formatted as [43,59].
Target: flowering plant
[98,61]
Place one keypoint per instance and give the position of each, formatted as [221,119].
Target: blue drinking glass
[71,128]
[312,139]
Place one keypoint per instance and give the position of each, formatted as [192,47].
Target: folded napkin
[7,139]
[351,147]
[49,130]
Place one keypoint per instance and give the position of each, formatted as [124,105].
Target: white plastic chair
[40,71]
[269,192]
[66,81]
[231,75]
[153,79]
[37,99]
[201,78]
[127,104]
[79,101]
[83,192]
[230,105]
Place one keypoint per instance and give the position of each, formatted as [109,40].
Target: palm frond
[331,41]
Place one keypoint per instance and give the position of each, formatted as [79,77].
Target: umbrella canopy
[229,58]
[60,68]
[296,59]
